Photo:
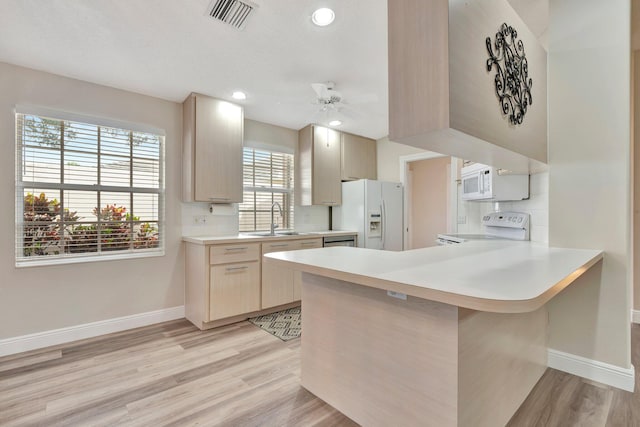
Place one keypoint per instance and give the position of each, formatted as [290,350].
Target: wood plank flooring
[172,374]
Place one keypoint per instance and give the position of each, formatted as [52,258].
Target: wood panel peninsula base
[383,361]
[463,345]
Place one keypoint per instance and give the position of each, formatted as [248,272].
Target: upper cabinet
[461,83]
[212,150]
[358,159]
[319,166]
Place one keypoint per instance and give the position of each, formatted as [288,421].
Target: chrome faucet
[273,224]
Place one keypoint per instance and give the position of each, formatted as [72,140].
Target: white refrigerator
[375,210]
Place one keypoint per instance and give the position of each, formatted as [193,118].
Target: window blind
[267,178]
[86,190]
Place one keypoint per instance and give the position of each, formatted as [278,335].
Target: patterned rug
[283,324]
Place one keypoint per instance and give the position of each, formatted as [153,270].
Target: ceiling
[169,48]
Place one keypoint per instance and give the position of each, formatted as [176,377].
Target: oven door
[472,186]
[476,185]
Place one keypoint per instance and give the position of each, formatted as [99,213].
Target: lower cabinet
[234,289]
[282,285]
[226,282]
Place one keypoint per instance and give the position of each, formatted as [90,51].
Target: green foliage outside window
[48,231]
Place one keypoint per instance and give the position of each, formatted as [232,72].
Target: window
[268,178]
[85,191]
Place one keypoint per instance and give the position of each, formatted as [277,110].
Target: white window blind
[86,191]
[268,178]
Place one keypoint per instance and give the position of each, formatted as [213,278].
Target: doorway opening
[430,202]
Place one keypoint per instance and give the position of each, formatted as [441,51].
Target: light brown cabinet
[212,150]
[221,281]
[227,282]
[319,164]
[282,285]
[358,158]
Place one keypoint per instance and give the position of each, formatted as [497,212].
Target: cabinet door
[277,281]
[326,183]
[234,289]
[218,151]
[358,158]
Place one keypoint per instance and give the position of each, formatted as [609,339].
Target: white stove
[497,225]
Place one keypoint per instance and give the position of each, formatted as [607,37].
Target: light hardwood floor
[176,375]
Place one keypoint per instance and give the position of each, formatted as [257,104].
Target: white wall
[589,175]
[537,206]
[37,299]
[223,221]
[389,153]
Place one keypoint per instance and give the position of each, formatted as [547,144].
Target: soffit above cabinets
[442,96]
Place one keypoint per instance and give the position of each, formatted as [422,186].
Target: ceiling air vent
[232,12]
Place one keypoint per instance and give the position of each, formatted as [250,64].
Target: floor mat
[283,324]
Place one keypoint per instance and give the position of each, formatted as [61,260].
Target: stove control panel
[506,219]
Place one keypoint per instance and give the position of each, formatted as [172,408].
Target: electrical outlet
[200,219]
[462,220]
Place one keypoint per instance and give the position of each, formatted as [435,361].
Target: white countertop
[498,276]
[216,240]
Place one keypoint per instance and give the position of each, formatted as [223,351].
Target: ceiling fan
[330,101]
[326,93]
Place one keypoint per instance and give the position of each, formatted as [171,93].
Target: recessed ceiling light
[323,17]
[239,95]
[335,123]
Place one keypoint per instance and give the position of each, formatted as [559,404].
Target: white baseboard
[88,330]
[594,370]
[635,316]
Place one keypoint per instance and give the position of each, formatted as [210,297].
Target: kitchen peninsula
[446,336]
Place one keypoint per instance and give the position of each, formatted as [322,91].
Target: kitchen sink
[278,233]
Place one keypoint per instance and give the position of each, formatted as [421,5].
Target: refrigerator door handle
[383,223]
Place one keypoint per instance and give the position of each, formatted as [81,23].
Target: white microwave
[482,182]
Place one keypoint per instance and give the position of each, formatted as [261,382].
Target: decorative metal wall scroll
[512,81]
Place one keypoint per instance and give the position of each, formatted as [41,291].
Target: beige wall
[636,179]
[589,178]
[429,200]
[635,82]
[36,299]
[389,154]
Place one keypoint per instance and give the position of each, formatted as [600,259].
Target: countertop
[247,237]
[495,276]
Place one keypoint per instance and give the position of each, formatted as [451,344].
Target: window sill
[76,259]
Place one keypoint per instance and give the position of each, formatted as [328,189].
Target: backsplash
[537,206]
[198,221]
[223,221]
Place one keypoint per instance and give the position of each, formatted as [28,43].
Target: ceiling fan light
[239,95]
[335,122]
[323,17]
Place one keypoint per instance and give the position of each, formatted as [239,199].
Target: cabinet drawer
[234,289]
[223,254]
[279,246]
[309,243]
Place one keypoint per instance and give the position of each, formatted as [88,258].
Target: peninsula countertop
[494,276]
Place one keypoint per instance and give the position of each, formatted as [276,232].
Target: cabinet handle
[328,203]
[308,243]
[244,267]
[243,248]
[281,245]
[219,198]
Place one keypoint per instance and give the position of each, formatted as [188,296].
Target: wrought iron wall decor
[512,81]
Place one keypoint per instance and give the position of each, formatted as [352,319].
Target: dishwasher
[328,241]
